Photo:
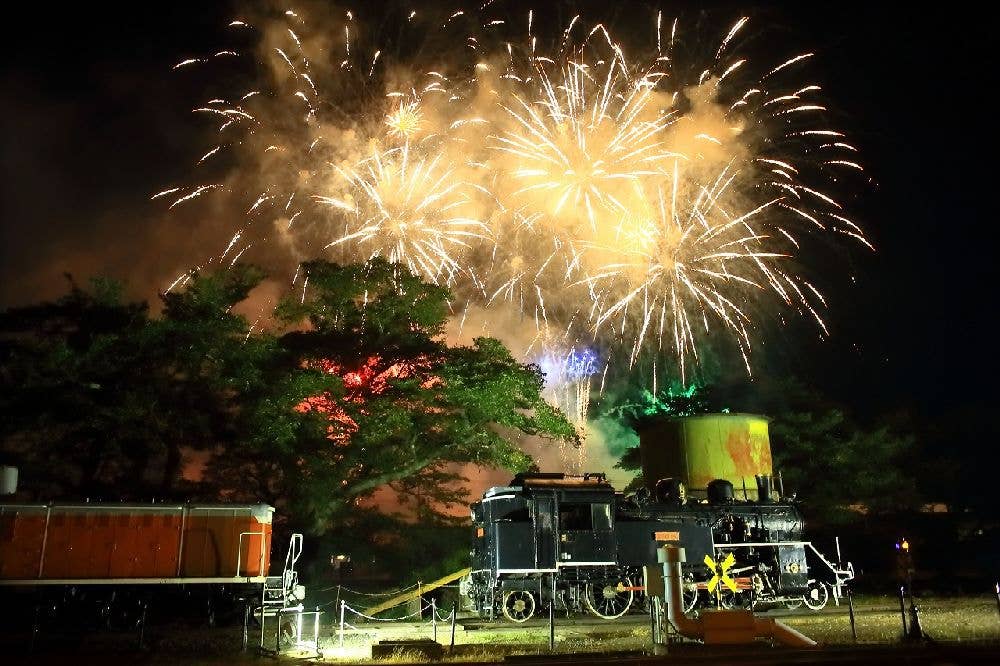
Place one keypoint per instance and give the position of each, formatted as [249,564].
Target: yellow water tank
[698,449]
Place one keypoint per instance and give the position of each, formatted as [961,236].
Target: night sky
[94,121]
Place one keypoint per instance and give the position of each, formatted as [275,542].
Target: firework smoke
[643,204]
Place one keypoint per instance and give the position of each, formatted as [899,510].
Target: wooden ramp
[421,588]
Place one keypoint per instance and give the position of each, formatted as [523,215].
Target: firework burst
[410,210]
[651,204]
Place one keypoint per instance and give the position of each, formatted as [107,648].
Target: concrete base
[423,647]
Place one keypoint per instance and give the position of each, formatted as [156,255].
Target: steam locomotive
[574,542]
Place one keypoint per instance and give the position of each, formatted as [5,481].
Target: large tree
[101,399]
[360,391]
[373,395]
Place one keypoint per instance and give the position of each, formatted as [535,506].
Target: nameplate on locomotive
[666,536]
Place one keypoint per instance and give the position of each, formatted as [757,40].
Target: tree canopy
[355,389]
[837,467]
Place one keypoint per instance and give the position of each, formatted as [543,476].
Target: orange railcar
[134,543]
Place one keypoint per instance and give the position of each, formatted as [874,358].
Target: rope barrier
[341,588]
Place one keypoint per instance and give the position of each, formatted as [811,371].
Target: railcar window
[601,516]
[516,516]
[576,517]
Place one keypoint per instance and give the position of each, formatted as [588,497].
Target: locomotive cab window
[576,517]
[600,517]
[516,516]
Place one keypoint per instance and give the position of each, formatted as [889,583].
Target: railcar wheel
[609,599]
[816,595]
[518,605]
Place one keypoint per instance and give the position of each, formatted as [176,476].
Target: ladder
[283,592]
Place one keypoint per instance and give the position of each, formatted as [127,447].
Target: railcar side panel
[94,542]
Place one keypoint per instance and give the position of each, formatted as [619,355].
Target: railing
[239,552]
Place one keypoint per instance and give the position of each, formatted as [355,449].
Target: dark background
[94,121]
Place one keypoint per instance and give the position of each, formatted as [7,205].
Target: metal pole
[316,629]
[263,598]
[454,614]
[277,633]
[850,613]
[142,622]
[902,609]
[552,616]
[246,624]
[434,618]
[35,628]
[996,589]
[343,604]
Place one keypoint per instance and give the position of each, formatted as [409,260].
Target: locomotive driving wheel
[518,605]
[609,599]
[816,595]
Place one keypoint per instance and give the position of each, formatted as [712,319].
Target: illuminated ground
[954,624]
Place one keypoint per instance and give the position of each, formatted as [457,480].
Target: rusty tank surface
[699,449]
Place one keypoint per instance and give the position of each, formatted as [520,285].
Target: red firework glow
[371,379]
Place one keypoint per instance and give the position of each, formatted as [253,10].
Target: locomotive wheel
[518,605]
[816,595]
[792,604]
[732,600]
[606,600]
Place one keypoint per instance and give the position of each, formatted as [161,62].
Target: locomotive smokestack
[763,488]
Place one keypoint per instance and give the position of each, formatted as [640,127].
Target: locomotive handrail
[841,576]
[239,552]
[848,572]
[748,544]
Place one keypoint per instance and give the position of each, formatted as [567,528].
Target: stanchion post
[434,620]
[850,613]
[35,628]
[343,604]
[454,614]
[902,610]
[996,590]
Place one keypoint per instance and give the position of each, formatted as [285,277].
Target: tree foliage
[399,403]
[838,468]
[358,390]
[102,397]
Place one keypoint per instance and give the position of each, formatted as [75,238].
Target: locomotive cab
[543,522]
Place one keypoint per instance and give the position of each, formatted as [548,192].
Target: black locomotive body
[575,542]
